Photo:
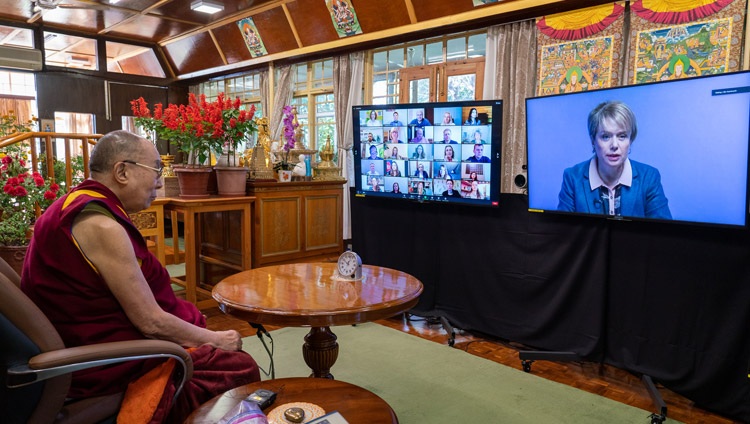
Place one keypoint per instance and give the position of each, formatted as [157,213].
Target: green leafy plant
[24,193]
[9,124]
[76,165]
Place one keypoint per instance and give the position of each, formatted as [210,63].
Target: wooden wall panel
[122,94]
[281,230]
[193,54]
[430,9]
[318,227]
[63,92]
[232,43]
[150,28]
[377,16]
[275,30]
[313,22]
[143,64]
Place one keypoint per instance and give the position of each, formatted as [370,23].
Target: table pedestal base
[320,351]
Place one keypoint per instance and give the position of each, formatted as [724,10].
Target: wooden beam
[494,10]
[291,25]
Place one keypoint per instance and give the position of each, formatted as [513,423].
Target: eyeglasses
[158,170]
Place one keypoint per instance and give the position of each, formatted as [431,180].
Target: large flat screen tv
[436,152]
[671,150]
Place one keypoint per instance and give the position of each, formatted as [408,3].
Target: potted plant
[25,194]
[196,129]
[232,125]
[283,166]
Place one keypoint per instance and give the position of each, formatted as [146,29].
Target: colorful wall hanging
[673,39]
[580,50]
[252,37]
[344,17]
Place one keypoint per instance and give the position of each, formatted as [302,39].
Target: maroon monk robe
[69,290]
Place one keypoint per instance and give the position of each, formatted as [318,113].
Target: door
[459,80]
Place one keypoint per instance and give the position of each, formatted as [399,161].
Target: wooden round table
[308,295]
[355,404]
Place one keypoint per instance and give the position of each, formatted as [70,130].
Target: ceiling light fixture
[207,6]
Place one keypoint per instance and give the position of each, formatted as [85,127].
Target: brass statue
[264,140]
[326,154]
[298,144]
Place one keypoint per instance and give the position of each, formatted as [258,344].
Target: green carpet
[426,382]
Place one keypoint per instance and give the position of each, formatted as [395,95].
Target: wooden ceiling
[193,45]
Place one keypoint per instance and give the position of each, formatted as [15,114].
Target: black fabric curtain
[664,299]
[679,310]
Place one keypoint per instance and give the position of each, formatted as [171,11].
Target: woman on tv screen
[610,183]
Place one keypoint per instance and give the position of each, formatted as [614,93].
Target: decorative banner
[677,11]
[344,17]
[578,63]
[580,23]
[252,37]
[665,52]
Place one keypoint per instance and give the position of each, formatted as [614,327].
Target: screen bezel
[684,93]
[495,129]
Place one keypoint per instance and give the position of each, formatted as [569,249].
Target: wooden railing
[42,143]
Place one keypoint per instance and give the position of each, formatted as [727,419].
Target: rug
[426,382]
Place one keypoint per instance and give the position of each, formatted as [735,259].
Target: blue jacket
[644,198]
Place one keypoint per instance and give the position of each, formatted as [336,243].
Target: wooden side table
[309,295]
[355,404]
[191,209]
[150,222]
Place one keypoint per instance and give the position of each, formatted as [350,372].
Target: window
[69,51]
[388,62]
[313,98]
[246,87]
[17,83]
[130,59]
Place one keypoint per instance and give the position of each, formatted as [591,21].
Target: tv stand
[528,357]
[660,416]
[443,321]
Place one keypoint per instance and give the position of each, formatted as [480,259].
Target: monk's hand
[228,340]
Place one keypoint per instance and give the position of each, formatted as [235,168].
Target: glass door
[418,84]
[453,81]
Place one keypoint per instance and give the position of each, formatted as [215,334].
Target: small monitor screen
[672,150]
[436,152]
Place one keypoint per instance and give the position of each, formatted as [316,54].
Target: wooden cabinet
[291,222]
[296,221]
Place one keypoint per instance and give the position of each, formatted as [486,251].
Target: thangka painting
[252,38]
[664,52]
[344,17]
[576,66]
[580,51]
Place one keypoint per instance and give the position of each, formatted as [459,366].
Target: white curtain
[510,71]
[282,97]
[265,89]
[348,73]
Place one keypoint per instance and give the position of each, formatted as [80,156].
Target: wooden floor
[599,379]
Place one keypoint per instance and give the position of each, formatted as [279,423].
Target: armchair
[35,366]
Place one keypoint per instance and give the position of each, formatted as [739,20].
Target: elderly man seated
[89,270]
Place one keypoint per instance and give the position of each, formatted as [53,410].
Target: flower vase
[285,175]
[14,256]
[231,180]
[193,181]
